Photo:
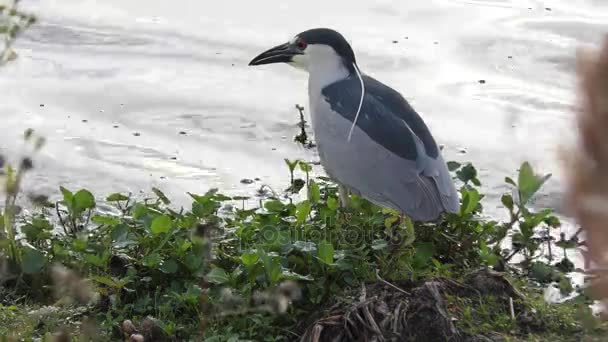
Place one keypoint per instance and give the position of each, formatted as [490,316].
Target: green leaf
[509,180]
[326,252]
[161,224]
[542,272]
[152,260]
[169,266]
[291,164]
[249,258]
[274,206]
[314,192]
[507,201]
[105,280]
[470,201]
[424,252]
[68,196]
[33,261]
[83,200]
[305,167]
[95,260]
[407,228]
[116,197]
[217,276]
[453,166]
[161,196]
[110,221]
[332,203]
[467,173]
[529,183]
[302,211]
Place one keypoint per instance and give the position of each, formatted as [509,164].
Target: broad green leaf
[249,258]
[33,261]
[217,276]
[168,266]
[152,260]
[314,192]
[161,224]
[529,183]
[68,196]
[274,206]
[326,252]
[332,203]
[424,252]
[470,201]
[453,166]
[302,211]
[193,261]
[95,260]
[83,200]
[507,201]
[467,173]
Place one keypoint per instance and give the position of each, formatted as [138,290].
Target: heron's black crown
[332,38]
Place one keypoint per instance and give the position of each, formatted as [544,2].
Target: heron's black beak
[279,54]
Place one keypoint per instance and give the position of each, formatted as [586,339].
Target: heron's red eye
[301,44]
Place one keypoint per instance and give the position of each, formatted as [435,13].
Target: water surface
[135,94]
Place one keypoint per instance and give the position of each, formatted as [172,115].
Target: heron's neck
[326,72]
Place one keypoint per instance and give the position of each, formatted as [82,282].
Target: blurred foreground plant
[12,23]
[587,163]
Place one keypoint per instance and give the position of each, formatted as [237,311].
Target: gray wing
[389,120]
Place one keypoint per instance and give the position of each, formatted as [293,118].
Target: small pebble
[462,150]
[435,43]
[173,158]
[182,133]
[246,181]
[482,81]
[115,126]
[274,148]
[85,120]
[136,134]
[395,42]
[42,105]
[256,179]
[163,177]
[548,8]
[407,38]
[510,57]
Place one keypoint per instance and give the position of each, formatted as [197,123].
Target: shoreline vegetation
[285,269]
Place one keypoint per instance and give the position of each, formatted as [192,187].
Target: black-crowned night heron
[370,140]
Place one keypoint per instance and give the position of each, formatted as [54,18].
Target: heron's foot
[344,196]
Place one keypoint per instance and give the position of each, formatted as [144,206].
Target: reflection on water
[139,94]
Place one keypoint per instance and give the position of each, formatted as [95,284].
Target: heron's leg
[344,196]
